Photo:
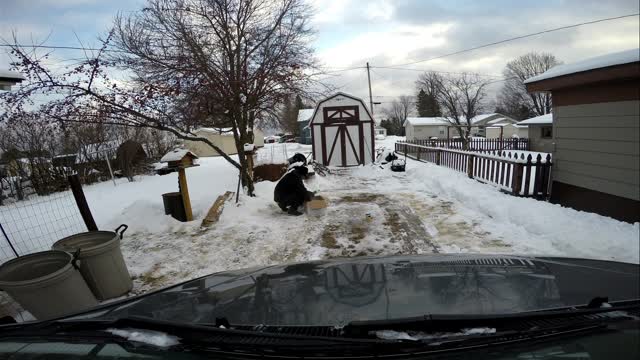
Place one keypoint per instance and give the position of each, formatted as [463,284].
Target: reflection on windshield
[336,293]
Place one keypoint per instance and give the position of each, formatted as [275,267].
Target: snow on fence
[476,144]
[520,175]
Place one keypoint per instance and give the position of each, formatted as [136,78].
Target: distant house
[506,131]
[304,116]
[222,138]
[540,132]
[482,121]
[421,128]
[380,132]
[9,78]
[596,133]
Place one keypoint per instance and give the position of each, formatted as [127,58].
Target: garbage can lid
[34,268]
[90,243]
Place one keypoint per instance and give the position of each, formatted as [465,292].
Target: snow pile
[529,226]
[150,337]
[421,336]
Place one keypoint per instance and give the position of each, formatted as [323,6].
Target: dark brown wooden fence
[476,144]
[516,172]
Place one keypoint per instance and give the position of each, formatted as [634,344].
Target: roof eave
[609,73]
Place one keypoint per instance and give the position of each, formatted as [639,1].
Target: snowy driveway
[374,211]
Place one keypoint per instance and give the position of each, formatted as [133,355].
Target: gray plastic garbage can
[101,261]
[46,284]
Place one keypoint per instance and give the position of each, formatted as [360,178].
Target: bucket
[317,206]
[47,284]
[101,261]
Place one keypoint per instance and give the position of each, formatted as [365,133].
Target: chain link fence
[34,213]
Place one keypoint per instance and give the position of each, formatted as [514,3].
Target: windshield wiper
[561,317]
[356,339]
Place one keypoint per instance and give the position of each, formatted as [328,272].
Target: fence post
[438,152]
[517,178]
[470,164]
[418,154]
[81,201]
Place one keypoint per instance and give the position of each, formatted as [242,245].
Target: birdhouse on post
[178,160]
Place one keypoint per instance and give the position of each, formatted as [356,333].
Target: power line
[434,71]
[60,47]
[518,38]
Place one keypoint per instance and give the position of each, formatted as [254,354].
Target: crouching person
[290,192]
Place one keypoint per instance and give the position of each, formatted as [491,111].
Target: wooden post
[81,201]
[470,164]
[106,158]
[501,140]
[418,154]
[184,191]
[438,154]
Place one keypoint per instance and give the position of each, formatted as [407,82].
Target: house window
[546,132]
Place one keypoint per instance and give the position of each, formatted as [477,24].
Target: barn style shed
[342,131]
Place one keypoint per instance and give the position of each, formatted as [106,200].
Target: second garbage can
[101,261]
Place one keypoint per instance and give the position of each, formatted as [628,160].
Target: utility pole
[370,96]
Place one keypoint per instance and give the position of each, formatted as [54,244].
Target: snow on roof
[426,121]
[92,152]
[481,117]
[618,58]
[220,131]
[305,114]
[419,121]
[11,75]
[176,155]
[496,121]
[542,119]
[498,126]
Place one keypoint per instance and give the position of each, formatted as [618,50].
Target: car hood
[335,292]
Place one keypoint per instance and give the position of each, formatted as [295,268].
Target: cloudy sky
[382,32]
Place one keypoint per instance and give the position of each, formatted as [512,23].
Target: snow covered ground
[372,211]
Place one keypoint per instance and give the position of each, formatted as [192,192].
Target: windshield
[336,293]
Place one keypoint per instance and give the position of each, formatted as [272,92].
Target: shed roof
[498,126]
[420,121]
[435,121]
[12,75]
[305,114]
[340,93]
[538,120]
[598,62]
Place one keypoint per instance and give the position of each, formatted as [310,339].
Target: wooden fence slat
[527,180]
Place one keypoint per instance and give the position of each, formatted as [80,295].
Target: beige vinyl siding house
[222,138]
[508,131]
[422,128]
[540,133]
[596,133]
